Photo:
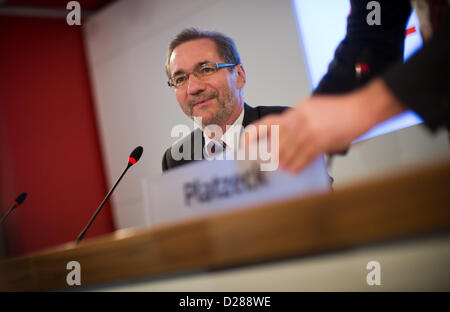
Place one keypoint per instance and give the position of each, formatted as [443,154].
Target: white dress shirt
[230,138]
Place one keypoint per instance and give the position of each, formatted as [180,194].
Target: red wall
[49,145]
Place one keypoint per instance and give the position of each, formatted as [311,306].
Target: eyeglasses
[201,72]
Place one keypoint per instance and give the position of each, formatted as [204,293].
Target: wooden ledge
[408,205]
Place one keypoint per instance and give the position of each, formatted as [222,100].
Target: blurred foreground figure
[367,82]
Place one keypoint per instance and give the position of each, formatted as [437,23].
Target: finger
[290,146]
[301,160]
[285,147]
[292,138]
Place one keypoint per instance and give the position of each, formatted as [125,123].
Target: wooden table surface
[412,204]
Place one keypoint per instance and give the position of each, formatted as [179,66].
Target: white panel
[389,154]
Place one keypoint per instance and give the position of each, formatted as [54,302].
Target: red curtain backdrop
[49,145]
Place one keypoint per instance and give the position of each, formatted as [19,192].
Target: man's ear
[241,78]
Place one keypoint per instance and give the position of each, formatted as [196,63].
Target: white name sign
[205,187]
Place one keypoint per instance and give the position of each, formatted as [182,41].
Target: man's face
[214,98]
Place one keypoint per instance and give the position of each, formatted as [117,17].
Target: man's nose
[195,85]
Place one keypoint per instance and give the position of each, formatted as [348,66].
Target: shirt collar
[232,134]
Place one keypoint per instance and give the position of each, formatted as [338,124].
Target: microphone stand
[80,237]
[6,215]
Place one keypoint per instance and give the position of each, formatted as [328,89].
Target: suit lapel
[197,132]
[250,115]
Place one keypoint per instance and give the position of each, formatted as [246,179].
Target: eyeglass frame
[218,65]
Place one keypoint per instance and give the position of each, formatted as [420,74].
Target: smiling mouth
[201,103]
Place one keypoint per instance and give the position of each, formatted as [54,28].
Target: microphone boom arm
[80,237]
[6,215]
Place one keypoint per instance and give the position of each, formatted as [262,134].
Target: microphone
[134,157]
[19,200]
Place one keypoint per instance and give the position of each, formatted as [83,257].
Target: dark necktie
[213,149]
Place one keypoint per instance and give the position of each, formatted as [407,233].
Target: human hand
[327,123]
[316,125]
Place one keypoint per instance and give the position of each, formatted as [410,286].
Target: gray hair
[225,46]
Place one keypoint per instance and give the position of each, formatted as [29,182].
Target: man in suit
[205,71]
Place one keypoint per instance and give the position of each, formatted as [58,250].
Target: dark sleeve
[377,46]
[269,110]
[423,82]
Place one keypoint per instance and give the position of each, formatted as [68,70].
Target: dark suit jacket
[422,83]
[251,114]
